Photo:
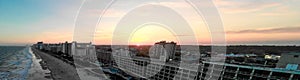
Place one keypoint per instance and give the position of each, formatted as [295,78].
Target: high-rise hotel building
[163,50]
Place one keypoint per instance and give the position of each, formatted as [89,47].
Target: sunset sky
[245,22]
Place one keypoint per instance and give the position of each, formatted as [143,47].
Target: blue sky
[245,21]
[22,20]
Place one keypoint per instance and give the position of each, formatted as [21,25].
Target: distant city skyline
[245,22]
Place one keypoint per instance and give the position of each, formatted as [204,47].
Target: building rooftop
[259,68]
[292,53]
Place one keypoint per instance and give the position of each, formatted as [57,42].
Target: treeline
[259,50]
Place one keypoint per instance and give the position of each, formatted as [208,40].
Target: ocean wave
[15,63]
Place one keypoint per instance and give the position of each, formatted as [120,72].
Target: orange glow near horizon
[150,34]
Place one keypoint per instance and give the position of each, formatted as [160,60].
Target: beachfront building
[39,45]
[82,50]
[85,51]
[164,50]
[55,48]
[104,55]
[67,49]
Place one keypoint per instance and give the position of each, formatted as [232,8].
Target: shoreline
[63,70]
[59,69]
[38,70]
[15,64]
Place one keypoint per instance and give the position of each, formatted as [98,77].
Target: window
[296,56]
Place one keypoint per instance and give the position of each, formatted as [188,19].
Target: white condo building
[84,51]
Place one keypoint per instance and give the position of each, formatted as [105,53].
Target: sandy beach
[59,69]
[38,70]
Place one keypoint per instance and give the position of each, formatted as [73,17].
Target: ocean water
[15,62]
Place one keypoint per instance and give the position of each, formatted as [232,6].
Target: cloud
[183,35]
[270,30]
[244,6]
[280,11]
[108,13]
